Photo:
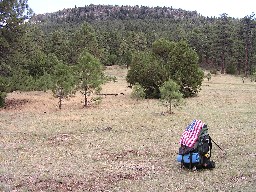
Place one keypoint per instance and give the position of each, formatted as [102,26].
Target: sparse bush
[2,91]
[231,69]
[214,71]
[243,79]
[96,100]
[2,98]
[138,92]
[110,78]
[253,77]
[208,76]
[112,59]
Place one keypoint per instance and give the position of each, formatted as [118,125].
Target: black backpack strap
[210,145]
[182,161]
[190,157]
[201,161]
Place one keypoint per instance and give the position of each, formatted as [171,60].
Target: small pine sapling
[64,82]
[170,94]
[208,76]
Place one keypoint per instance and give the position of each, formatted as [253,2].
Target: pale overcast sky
[234,8]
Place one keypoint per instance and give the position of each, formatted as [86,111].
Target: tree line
[35,49]
[223,43]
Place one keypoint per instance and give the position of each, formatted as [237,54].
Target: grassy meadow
[126,145]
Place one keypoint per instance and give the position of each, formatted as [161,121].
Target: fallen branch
[105,94]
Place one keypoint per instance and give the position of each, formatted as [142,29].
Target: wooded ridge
[48,48]
[110,12]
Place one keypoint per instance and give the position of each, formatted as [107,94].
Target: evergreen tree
[170,93]
[83,38]
[58,44]
[12,28]
[223,42]
[63,80]
[247,28]
[169,60]
[89,71]
[162,47]
[2,91]
[147,71]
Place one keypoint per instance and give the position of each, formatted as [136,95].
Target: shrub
[253,77]
[148,72]
[138,92]
[208,76]
[3,83]
[231,69]
[178,62]
[2,98]
[214,71]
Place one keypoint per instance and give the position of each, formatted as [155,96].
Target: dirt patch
[61,139]
[98,181]
[16,104]
[113,94]
[32,101]
[44,102]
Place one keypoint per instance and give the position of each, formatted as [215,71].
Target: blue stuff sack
[186,158]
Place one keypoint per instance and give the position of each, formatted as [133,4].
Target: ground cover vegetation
[124,144]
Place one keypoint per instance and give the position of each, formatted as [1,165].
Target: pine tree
[89,72]
[12,28]
[63,80]
[170,93]
[223,41]
[247,26]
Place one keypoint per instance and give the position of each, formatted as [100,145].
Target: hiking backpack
[196,146]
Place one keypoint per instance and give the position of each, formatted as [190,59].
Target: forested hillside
[222,43]
[110,12]
[31,51]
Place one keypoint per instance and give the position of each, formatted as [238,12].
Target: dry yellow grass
[125,145]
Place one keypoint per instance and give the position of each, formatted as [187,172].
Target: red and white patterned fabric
[191,133]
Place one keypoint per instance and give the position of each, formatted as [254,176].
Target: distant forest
[222,43]
[36,50]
